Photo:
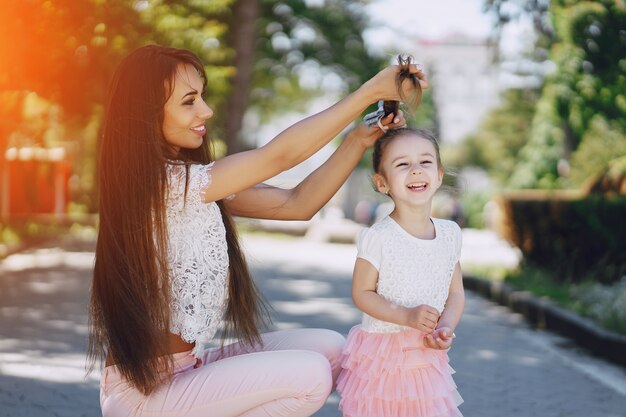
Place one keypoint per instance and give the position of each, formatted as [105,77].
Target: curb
[544,314]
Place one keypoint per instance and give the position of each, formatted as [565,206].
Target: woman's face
[185,111]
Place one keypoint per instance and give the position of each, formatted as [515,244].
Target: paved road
[503,367]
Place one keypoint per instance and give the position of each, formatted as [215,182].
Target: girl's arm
[423,318]
[442,337]
[303,201]
[238,172]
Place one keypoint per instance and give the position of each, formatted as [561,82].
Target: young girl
[407,281]
[169,272]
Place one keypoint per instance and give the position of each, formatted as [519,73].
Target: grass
[540,283]
[489,272]
[604,304]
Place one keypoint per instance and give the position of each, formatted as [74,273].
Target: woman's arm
[442,337]
[423,318]
[303,201]
[240,171]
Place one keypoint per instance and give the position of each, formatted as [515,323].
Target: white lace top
[197,257]
[411,271]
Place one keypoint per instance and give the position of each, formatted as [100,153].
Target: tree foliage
[295,38]
[57,57]
[262,68]
[65,50]
[499,138]
[581,111]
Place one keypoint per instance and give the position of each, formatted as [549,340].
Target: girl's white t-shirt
[411,271]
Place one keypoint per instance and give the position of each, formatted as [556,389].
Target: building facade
[464,80]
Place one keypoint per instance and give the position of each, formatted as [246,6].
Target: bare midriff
[176,345]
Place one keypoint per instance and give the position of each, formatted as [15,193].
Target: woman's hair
[382,142]
[130,298]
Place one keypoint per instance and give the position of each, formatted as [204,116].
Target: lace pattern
[197,257]
[412,271]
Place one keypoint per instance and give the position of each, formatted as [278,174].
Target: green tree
[496,144]
[291,35]
[255,50]
[64,52]
[582,96]
[601,146]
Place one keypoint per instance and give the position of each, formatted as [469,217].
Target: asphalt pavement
[504,368]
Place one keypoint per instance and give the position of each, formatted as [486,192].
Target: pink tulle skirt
[394,375]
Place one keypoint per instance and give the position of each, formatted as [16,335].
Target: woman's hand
[367,135]
[383,85]
[240,171]
[423,318]
[440,339]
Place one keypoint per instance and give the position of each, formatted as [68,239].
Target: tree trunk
[245,15]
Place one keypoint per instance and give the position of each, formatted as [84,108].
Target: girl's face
[409,172]
[185,111]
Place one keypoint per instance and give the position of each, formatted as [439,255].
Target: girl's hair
[382,142]
[412,101]
[129,309]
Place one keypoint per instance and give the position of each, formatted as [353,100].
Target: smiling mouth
[198,128]
[417,186]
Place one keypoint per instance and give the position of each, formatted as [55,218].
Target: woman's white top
[411,271]
[197,257]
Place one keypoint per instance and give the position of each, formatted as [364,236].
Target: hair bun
[413,101]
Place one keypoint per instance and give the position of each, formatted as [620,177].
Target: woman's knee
[330,344]
[327,342]
[316,369]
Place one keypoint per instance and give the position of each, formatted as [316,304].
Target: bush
[474,208]
[574,237]
[606,304]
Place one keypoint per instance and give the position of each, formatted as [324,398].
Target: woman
[168,268]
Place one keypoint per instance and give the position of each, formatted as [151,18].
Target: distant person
[364,212]
[457,213]
[407,281]
[169,270]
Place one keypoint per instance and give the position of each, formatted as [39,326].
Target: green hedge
[575,237]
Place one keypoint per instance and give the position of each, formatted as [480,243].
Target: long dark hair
[129,310]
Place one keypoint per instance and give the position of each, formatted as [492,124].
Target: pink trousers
[292,374]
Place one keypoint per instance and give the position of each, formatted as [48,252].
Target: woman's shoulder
[186,182]
[190,173]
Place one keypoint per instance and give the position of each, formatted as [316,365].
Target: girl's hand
[368,135]
[440,339]
[383,85]
[423,318]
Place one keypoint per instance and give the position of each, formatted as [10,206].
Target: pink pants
[292,374]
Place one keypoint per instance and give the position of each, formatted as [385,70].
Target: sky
[396,23]
[393,20]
